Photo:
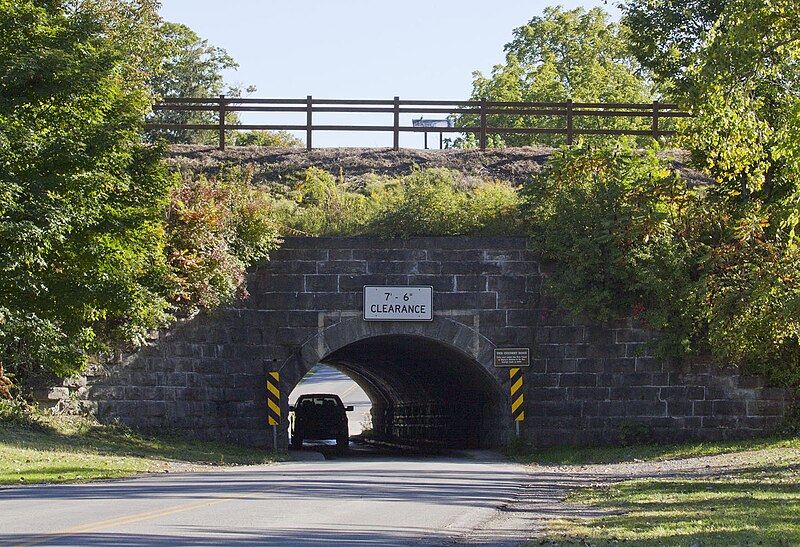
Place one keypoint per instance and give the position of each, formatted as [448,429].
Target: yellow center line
[129,519]
[349,390]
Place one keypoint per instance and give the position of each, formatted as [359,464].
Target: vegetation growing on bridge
[715,267]
[632,238]
[426,202]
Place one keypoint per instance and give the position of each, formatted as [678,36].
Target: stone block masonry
[586,383]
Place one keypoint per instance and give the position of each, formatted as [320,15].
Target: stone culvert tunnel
[430,382]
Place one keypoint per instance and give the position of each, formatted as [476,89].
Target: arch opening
[423,392]
[329,380]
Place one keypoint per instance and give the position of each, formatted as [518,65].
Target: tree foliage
[80,196]
[667,37]
[89,259]
[746,88]
[190,67]
[735,65]
[633,239]
[574,54]
[215,229]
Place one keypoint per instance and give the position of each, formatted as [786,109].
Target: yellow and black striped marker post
[517,398]
[274,405]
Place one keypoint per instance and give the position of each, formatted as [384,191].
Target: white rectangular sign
[398,303]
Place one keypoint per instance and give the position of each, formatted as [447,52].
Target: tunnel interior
[424,393]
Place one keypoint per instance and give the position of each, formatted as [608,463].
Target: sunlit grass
[28,466]
[749,508]
[644,452]
[73,449]
[757,503]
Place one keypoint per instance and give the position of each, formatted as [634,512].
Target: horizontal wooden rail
[485,114]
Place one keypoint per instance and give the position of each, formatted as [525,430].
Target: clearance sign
[398,303]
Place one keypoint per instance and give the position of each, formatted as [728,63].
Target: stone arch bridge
[430,382]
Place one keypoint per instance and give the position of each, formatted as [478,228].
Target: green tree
[721,270]
[633,239]
[735,64]
[575,54]
[745,87]
[190,67]
[746,90]
[81,197]
[666,37]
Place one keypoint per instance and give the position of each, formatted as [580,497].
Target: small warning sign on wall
[512,357]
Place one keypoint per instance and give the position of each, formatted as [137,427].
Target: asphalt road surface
[365,496]
[385,500]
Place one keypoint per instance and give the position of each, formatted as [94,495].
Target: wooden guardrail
[484,112]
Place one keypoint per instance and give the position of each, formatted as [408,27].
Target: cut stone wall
[587,384]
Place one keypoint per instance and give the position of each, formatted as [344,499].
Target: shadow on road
[364,449]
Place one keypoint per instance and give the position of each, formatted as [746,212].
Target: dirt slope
[514,165]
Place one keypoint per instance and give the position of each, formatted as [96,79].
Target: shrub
[326,205]
[216,228]
[275,139]
[632,239]
[427,202]
[611,219]
[18,412]
[752,302]
[433,202]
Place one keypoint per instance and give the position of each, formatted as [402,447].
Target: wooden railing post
[482,139]
[655,120]
[570,128]
[396,123]
[222,122]
[309,120]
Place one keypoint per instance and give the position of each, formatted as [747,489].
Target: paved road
[377,501]
[329,380]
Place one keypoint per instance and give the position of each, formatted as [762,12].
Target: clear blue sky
[359,49]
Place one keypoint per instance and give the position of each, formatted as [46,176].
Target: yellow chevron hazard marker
[273,399]
[517,398]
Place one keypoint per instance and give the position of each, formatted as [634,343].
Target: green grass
[758,503]
[41,449]
[759,506]
[643,452]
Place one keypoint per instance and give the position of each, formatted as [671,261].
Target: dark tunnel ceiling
[404,368]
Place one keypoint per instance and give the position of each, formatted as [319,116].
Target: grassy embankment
[42,449]
[754,501]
